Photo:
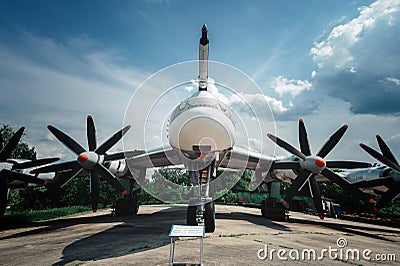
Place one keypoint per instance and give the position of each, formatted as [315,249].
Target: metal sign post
[178,231]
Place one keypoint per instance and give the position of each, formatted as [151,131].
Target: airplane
[11,170]
[381,180]
[202,137]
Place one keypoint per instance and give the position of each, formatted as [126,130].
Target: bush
[28,218]
[392,210]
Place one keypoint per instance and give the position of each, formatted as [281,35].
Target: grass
[28,218]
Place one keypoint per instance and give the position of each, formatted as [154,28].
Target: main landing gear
[201,208]
[128,205]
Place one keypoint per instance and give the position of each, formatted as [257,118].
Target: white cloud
[336,50]
[282,86]
[280,111]
[394,80]
[358,61]
[189,89]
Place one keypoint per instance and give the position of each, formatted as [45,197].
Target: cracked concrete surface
[99,239]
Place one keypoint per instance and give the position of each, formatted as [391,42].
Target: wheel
[191,215]
[120,207]
[127,206]
[209,217]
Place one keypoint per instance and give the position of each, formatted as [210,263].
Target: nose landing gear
[201,208]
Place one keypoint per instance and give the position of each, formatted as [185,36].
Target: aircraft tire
[264,208]
[209,217]
[191,215]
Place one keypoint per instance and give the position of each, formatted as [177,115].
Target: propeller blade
[347,164]
[95,190]
[386,150]
[122,155]
[331,143]
[56,167]
[345,185]
[303,139]
[34,163]
[297,184]
[91,133]
[22,177]
[380,157]
[285,165]
[112,141]
[5,153]
[316,197]
[99,169]
[283,144]
[389,195]
[66,140]
[61,179]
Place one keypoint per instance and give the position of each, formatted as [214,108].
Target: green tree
[243,182]
[176,176]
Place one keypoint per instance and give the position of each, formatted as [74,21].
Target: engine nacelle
[118,168]
[357,175]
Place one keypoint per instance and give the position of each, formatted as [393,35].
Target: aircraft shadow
[353,229]
[136,234]
[48,226]
[254,219]
[343,226]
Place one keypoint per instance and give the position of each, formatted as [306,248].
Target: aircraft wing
[156,158]
[240,158]
[235,158]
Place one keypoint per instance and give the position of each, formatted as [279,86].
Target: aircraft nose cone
[320,162]
[83,157]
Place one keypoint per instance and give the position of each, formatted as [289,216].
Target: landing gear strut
[201,208]
[128,205]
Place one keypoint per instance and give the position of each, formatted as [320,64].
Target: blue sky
[328,62]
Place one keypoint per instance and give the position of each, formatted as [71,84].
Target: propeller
[309,166]
[9,171]
[9,168]
[91,160]
[388,159]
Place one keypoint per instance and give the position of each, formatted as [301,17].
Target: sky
[330,63]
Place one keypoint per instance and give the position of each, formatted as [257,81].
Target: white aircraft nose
[202,127]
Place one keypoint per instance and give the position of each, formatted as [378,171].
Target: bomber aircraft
[202,137]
